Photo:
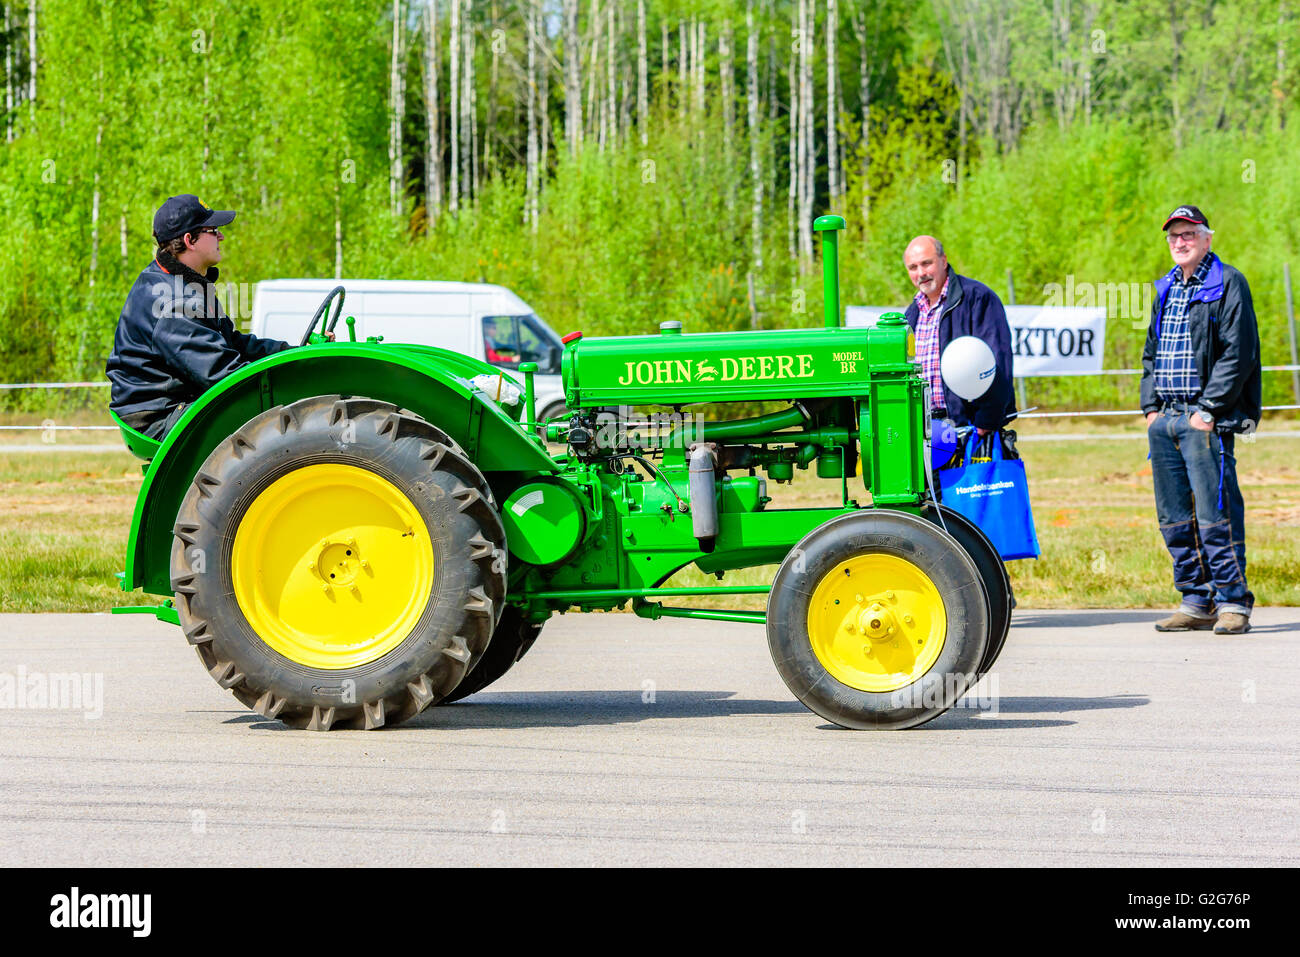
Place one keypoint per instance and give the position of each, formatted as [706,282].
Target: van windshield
[510,340]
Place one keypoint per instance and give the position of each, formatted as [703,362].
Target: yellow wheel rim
[876,622]
[332,566]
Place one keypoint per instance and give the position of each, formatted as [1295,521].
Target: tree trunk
[472,106]
[755,160]
[1279,84]
[726,72]
[701,51]
[433,159]
[595,113]
[543,100]
[796,128]
[682,95]
[453,106]
[864,100]
[611,82]
[642,80]
[832,109]
[394,118]
[572,79]
[1175,60]
[489,157]
[31,59]
[807,146]
[530,175]
[9,80]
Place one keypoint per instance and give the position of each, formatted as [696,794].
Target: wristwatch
[1205,416]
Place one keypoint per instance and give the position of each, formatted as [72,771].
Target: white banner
[1045,340]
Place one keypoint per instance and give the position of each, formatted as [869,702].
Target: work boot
[1232,623]
[1181,620]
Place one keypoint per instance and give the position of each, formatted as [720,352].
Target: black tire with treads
[510,642]
[466,536]
[993,574]
[901,535]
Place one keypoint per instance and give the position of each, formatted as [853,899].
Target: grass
[65,515]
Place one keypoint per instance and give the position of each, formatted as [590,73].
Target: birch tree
[433,157]
[832,107]
[726,73]
[497,45]
[453,106]
[572,79]
[642,79]
[469,122]
[795,137]
[9,78]
[611,64]
[755,157]
[396,106]
[531,172]
[31,60]
[807,146]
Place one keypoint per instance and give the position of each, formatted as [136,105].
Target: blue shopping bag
[995,496]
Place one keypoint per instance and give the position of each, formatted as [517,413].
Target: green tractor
[353,531]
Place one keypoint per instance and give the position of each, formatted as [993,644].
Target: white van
[476,319]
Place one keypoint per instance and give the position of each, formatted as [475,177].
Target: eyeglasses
[211,229]
[1188,237]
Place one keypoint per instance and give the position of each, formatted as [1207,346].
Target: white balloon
[968,367]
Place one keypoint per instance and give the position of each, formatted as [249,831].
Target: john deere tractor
[350,532]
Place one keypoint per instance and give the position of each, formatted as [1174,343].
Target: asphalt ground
[1095,741]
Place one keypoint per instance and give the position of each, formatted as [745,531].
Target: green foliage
[281,112]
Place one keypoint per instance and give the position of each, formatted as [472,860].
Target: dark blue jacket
[174,342]
[1225,340]
[973,309]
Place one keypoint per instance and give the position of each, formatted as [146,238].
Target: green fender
[433,383]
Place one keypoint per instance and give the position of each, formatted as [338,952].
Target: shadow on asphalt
[571,709]
[566,709]
[1275,628]
[973,715]
[1083,619]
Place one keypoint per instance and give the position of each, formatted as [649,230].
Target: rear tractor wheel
[878,620]
[510,642]
[338,563]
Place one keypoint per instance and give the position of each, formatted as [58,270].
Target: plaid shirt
[1175,370]
[927,344]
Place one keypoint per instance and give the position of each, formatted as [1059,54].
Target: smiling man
[946,306]
[174,341]
[1201,385]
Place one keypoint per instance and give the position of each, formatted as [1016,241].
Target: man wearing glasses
[174,341]
[1201,385]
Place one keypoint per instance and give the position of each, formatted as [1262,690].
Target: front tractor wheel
[878,620]
[338,563]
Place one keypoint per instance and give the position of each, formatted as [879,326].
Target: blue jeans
[1201,513]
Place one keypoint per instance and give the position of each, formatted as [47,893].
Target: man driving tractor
[173,340]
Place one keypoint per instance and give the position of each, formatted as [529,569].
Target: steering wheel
[341,293]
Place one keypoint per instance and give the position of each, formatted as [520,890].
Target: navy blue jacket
[174,342]
[973,309]
[1225,340]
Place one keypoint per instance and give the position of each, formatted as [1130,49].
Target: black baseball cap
[187,213]
[1190,213]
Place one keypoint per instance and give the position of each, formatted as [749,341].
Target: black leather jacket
[174,342]
[1225,339]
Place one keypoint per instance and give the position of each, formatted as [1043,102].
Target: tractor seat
[137,443]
